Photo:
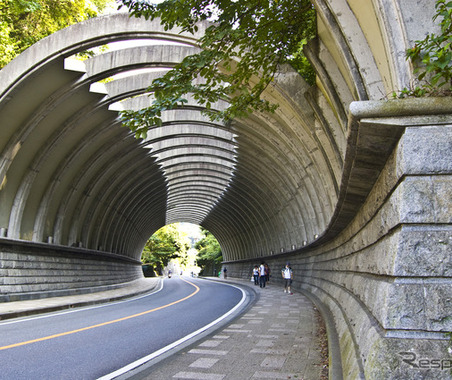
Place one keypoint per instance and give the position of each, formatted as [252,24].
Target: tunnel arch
[84,217]
[274,136]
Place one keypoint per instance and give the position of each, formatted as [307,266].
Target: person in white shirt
[287,275]
[256,275]
[262,277]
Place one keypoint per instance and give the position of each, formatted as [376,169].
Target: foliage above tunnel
[24,22]
[241,50]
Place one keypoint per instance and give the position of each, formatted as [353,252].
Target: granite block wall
[32,271]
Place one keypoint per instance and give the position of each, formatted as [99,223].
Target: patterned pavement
[277,338]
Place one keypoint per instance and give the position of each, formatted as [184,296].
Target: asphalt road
[93,342]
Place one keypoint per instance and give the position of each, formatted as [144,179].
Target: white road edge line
[145,359]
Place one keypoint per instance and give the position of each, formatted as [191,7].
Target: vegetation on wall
[24,22]
[241,51]
[432,57]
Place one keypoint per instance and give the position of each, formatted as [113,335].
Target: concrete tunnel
[72,176]
[336,180]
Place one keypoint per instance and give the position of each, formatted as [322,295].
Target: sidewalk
[17,309]
[279,337]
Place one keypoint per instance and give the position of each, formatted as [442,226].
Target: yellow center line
[104,323]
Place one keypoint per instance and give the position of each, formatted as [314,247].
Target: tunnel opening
[181,249]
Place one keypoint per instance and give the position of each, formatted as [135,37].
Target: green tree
[209,253]
[24,22]
[242,48]
[167,243]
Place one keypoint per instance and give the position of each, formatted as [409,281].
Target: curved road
[93,342]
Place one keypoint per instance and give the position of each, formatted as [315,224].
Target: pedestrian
[267,273]
[256,275]
[262,277]
[287,275]
[225,272]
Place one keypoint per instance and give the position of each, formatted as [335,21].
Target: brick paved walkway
[275,339]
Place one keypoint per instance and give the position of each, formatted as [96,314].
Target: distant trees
[173,243]
[24,22]
[168,243]
[209,253]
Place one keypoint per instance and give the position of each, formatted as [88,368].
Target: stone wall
[32,270]
[387,277]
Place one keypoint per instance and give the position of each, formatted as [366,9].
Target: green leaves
[432,56]
[167,243]
[240,54]
[24,22]
[209,250]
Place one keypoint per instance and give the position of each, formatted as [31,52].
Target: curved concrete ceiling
[70,174]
